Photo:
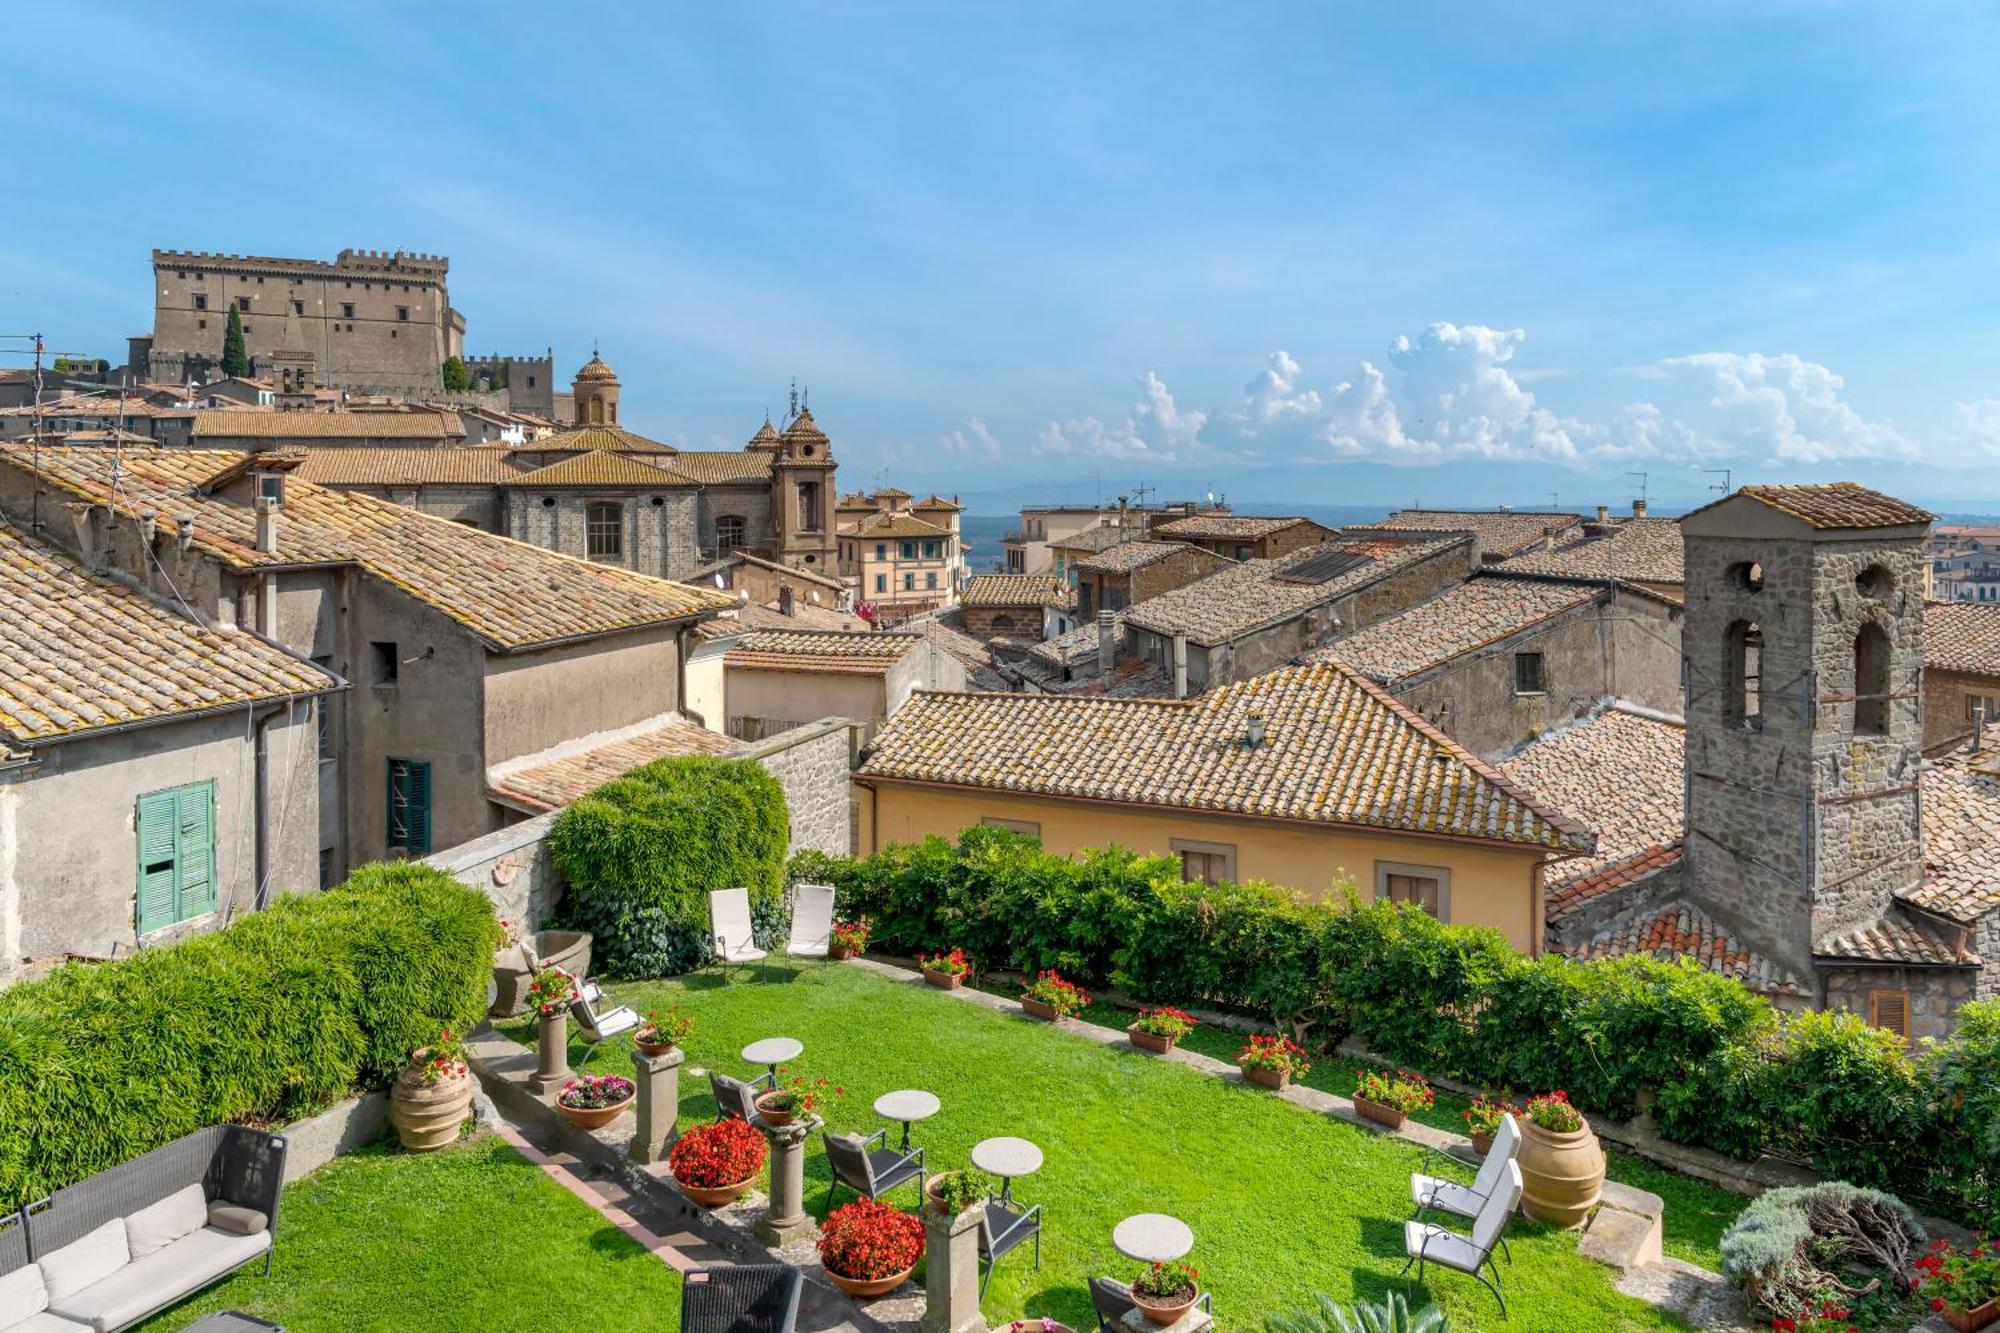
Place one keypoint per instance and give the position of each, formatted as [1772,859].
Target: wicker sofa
[109,1251]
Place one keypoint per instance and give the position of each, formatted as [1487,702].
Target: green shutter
[196,858]
[410,806]
[158,827]
[420,809]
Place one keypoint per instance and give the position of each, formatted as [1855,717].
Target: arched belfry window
[1742,676]
[1871,681]
[597,411]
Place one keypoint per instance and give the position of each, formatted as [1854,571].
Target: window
[298,307]
[881,583]
[1982,708]
[604,530]
[243,304]
[1743,664]
[909,583]
[200,301]
[1748,576]
[881,550]
[410,806]
[347,310]
[1244,552]
[201,324]
[1429,887]
[908,550]
[729,530]
[808,506]
[930,550]
[271,486]
[385,663]
[1205,862]
[1528,674]
[402,312]
[1871,681]
[597,411]
[1875,581]
[1890,1009]
[176,837]
[930,579]
[1027,826]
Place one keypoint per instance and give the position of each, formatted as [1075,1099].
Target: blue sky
[1293,252]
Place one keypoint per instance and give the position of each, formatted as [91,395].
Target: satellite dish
[718,580]
[815,598]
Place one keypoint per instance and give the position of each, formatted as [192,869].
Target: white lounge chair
[812,921]
[1429,1243]
[599,1025]
[729,926]
[1448,1196]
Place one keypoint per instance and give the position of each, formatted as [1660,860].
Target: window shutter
[1892,1011]
[157,828]
[195,818]
[420,809]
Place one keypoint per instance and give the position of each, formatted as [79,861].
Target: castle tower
[595,390]
[1803,654]
[802,493]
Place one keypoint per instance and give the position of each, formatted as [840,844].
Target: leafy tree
[455,379]
[235,356]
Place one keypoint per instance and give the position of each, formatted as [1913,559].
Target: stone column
[552,1053]
[785,1219]
[951,1273]
[659,1080]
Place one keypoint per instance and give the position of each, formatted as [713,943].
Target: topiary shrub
[1797,1247]
[286,1010]
[641,854]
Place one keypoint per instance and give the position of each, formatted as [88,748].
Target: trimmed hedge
[1718,1066]
[283,1012]
[641,853]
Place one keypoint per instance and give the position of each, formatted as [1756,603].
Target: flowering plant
[1165,1021]
[798,1095]
[1279,1054]
[1553,1112]
[1828,1318]
[1065,997]
[852,935]
[866,1240]
[953,964]
[510,934]
[667,1028]
[1168,1282]
[1483,1116]
[1405,1089]
[594,1092]
[725,1153]
[443,1059]
[552,991]
[1965,1279]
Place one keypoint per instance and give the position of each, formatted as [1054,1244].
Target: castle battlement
[414,264]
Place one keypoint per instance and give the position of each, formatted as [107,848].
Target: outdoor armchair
[745,1298]
[1428,1243]
[1004,1224]
[596,1024]
[1449,1196]
[812,921]
[734,1099]
[870,1168]
[729,927]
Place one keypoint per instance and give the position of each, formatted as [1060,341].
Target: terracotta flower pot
[867,1289]
[1978,1317]
[774,1117]
[1164,1316]
[1036,1009]
[1269,1078]
[1561,1174]
[428,1117]
[714,1196]
[944,980]
[840,953]
[594,1117]
[1381,1113]
[1482,1144]
[937,1204]
[654,1048]
[1149,1041]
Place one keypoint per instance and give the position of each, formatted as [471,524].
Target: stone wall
[659,528]
[1935,993]
[1947,715]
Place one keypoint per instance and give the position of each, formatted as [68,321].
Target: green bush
[1961,1079]
[283,1012]
[641,854]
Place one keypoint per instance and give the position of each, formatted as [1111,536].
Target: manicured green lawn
[1283,1202]
[473,1237]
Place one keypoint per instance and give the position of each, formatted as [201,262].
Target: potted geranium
[1962,1285]
[550,994]
[796,1095]
[1482,1120]
[1562,1165]
[1164,1292]
[1388,1099]
[1160,1028]
[1272,1061]
[432,1095]
[1048,997]
[595,1100]
[664,1030]
[955,1191]
[850,940]
[716,1164]
[946,971]
[869,1249]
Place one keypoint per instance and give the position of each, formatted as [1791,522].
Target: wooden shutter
[195,854]
[1890,1009]
[420,809]
[158,829]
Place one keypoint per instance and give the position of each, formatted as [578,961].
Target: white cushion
[23,1295]
[165,1222]
[161,1278]
[1448,1195]
[1439,1246]
[90,1258]
[46,1323]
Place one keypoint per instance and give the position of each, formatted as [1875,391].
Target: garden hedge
[1717,1065]
[283,1012]
[641,853]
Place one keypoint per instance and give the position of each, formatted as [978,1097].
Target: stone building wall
[659,537]
[751,502]
[1947,715]
[1935,994]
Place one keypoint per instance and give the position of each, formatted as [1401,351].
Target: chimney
[1180,666]
[1604,513]
[1548,539]
[785,606]
[1253,729]
[1638,509]
[1123,506]
[267,524]
[184,532]
[1107,641]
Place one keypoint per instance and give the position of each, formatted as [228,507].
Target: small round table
[1006,1158]
[773,1051]
[1152,1238]
[907,1105]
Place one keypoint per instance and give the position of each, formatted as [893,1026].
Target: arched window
[1742,675]
[614,414]
[597,411]
[1871,682]
[728,531]
[604,530]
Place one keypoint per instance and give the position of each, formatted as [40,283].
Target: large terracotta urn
[1561,1174]
[427,1116]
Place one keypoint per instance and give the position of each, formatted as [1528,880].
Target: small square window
[1890,1009]
[201,323]
[385,663]
[347,310]
[243,304]
[1428,887]
[1024,826]
[200,301]
[1205,862]
[402,312]
[298,307]
[1528,674]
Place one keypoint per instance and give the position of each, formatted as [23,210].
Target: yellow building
[898,557]
[1304,777]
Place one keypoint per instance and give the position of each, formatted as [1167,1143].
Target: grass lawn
[473,1237]
[1283,1202]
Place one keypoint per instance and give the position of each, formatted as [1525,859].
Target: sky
[1339,254]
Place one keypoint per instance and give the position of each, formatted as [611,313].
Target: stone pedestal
[951,1272]
[552,1054]
[659,1104]
[785,1219]
[1196,1320]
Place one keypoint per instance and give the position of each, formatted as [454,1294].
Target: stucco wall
[799,696]
[535,700]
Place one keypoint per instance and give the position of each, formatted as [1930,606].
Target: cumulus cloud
[1979,422]
[1785,408]
[972,440]
[1275,396]
[1157,429]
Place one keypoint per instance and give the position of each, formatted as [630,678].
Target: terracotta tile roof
[510,594]
[1504,531]
[987,590]
[936,501]
[1222,527]
[754,616]
[598,468]
[857,503]
[1640,866]
[1254,594]
[611,439]
[1680,929]
[1963,636]
[79,651]
[897,525]
[1617,773]
[1638,550]
[1961,823]
[558,782]
[263,424]
[982,669]
[1458,620]
[1891,939]
[1094,539]
[720,467]
[1079,645]
[1837,504]
[830,584]
[362,465]
[1126,557]
[1134,678]
[868,652]
[1336,750]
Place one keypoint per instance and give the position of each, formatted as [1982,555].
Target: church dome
[596,371]
[803,427]
[765,438]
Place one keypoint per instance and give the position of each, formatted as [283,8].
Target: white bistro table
[772,1052]
[1152,1238]
[907,1105]
[1006,1158]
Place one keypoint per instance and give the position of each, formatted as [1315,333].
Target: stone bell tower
[802,486]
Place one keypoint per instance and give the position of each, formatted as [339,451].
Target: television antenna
[1722,472]
[1643,479]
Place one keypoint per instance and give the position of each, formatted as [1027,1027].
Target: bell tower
[595,392]
[802,494]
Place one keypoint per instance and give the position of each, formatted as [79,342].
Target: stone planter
[1381,1113]
[566,949]
[1164,1316]
[1561,1174]
[428,1118]
[1978,1317]
[714,1196]
[595,1117]
[1267,1078]
[774,1117]
[1036,1009]
[944,980]
[871,1288]
[1482,1144]
[1149,1041]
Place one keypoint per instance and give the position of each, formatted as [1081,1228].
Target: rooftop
[583,439]
[897,525]
[1963,637]
[863,652]
[364,465]
[262,424]
[719,467]
[1221,527]
[1126,557]
[566,773]
[1961,810]
[1637,550]
[1500,531]
[1336,750]
[1100,538]
[987,590]
[1458,620]
[599,468]
[765,615]
[1833,505]
[1680,929]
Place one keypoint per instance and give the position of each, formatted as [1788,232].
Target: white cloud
[972,440]
[1157,429]
[1274,395]
[1785,408]
[1979,420]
